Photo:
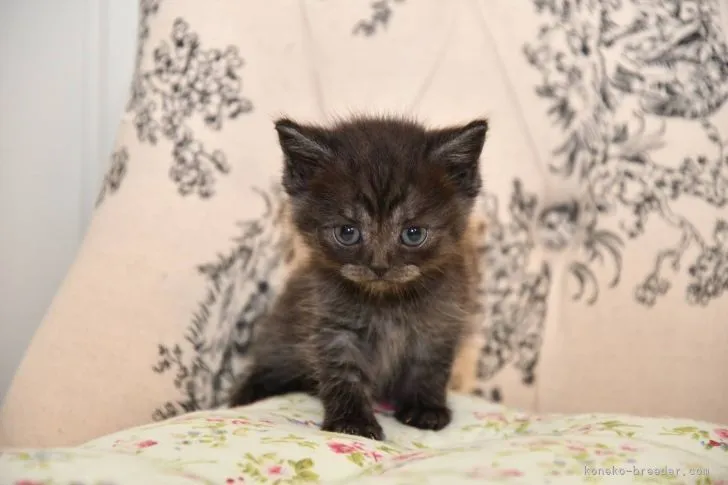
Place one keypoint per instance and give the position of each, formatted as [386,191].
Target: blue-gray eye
[414,236]
[347,235]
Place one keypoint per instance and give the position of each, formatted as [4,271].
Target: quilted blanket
[278,442]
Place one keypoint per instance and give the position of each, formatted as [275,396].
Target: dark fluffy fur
[377,320]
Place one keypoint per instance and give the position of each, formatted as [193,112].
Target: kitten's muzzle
[380,274]
[364,274]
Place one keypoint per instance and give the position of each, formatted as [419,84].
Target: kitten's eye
[414,236]
[347,235]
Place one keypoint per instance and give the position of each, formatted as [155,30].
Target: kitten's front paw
[367,428]
[424,417]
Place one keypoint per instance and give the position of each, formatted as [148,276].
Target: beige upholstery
[606,199]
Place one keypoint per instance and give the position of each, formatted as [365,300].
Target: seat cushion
[279,441]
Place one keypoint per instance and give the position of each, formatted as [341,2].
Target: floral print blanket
[278,442]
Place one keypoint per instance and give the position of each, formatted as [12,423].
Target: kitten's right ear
[305,149]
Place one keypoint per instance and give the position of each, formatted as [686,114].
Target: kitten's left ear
[459,148]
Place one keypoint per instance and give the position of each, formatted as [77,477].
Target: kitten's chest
[389,339]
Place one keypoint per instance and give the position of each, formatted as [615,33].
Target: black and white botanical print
[114,175]
[188,85]
[515,289]
[709,273]
[241,285]
[381,12]
[518,280]
[147,8]
[614,75]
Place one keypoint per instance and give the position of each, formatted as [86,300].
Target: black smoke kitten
[385,296]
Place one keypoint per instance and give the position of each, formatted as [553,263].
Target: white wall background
[65,68]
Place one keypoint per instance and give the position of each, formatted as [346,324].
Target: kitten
[386,294]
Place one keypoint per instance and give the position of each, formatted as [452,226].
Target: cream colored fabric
[186,249]
[279,441]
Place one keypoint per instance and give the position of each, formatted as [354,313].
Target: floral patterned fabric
[278,441]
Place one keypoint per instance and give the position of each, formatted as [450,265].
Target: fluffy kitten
[386,295]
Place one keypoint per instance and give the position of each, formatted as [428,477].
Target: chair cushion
[279,441]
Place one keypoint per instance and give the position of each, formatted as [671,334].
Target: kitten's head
[382,201]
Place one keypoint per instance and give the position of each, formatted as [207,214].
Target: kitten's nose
[379,270]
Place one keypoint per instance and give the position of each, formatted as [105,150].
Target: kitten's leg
[421,396]
[266,380]
[345,385]
[464,375]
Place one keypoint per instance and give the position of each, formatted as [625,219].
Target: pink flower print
[146,443]
[414,455]
[494,473]
[577,448]
[343,448]
[489,416]
[275,470]
[231,481]
[240,421]
[376,456]
[629,448]
[28,482]
[510,472]
[722,433]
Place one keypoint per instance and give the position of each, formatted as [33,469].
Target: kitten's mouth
[380,285]
[380,280]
